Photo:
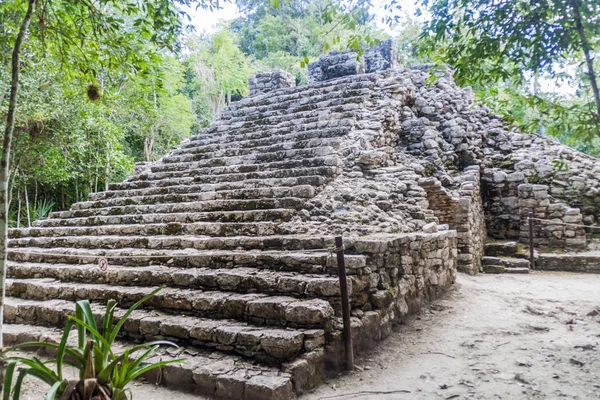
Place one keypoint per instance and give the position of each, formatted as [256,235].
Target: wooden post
[339,244]
[531,256]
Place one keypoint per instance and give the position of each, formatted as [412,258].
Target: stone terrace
[237,221]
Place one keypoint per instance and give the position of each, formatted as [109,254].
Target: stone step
[286,243]
[201,144]
[314,180]
[329,161]
[278,103]
[506,261]
[205,372]
[587,262]
[284,214]
[256,308]
[189,154]
[270,136]
[175,228]
[280,261]
[500,248]
[340,116]
[302,192]
[239,280]
[501,269]
[114,242]
[493,269]
[517,270]
[255,157]
[227,178]
[265,344]
[188,207]
[299,113]
[305,191]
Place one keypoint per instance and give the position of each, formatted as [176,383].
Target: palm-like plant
[103,375]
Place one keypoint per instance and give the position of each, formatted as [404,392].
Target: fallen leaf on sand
[534,311]
[586,347]
[521,378]
[576,362]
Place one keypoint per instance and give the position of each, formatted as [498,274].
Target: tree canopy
[517,43]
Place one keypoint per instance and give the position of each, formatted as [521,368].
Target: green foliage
[296,32]
[484,40]
[216,70]
[93,357]
[67,146]
[500,48]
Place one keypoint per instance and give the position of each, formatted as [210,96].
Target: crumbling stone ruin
[238,222]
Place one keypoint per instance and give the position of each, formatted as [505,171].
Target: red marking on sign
[103,264]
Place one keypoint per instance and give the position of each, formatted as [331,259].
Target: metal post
[339,244]
[531,257]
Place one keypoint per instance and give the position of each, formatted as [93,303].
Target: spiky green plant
[103,374]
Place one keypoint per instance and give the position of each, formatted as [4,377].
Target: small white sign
[103,264]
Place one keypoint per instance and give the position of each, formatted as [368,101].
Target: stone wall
[558,225]
[559,183]
[418,268]
[268,81]
[584,262]
[462,210]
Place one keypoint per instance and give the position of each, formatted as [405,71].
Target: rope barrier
[565,223]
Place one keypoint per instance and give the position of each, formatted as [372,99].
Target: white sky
[206,21]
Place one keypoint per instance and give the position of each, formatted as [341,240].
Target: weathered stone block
[269,81]
[381,57]
[334,65]
[263,387]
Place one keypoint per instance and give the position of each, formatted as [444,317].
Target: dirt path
[493,337]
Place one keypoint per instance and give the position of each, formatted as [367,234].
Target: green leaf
[150,367]
[119,324]
[51,395]
[88,315]
[8,375]
[62,348]
[97,336]
[70,352]
[19,384]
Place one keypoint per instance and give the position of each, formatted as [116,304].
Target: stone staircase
[504,257]
[238,222]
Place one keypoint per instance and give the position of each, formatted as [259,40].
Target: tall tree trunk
[5,159]
[585,46]
[18,210]
[107,169]
[27,208]
[149,141]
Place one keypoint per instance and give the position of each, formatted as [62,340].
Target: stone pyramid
[238,222]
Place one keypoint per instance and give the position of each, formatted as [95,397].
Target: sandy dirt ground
[492,337]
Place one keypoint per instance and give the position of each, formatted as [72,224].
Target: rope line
[564,223]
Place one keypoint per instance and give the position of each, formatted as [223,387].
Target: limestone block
[269,81]
[381,57]
[334,65]
[263,387]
